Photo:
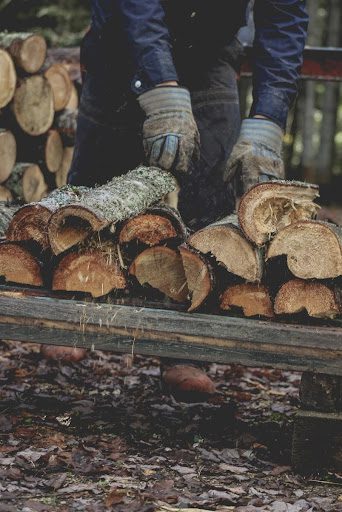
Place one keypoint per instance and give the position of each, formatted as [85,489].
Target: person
[160,87]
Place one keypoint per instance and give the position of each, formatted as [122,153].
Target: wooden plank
[157,332]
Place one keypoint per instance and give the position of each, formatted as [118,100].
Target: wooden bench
[315,350]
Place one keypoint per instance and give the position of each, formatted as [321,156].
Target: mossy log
[30,221]
[26,182]
[33,105]
[123,197]
[225,241]
[18,265]
[6,214]
[27,50]
[94,269]
[268,207]
[66,124]
[8,78]
[61,85]
[8,153]
[61,176]
[157,224]
[317,299]
[254,299]
[161,268]
[313,249]
[199,276]
[45,150]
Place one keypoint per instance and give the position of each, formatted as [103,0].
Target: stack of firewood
[38,108]
[271,258]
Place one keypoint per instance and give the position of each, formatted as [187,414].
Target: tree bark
[61,85]
[18,265]
[8,153]
[8,78]
[27,50]
[253,299]
[123,197]
[26,182]
[268,207]
[6,215]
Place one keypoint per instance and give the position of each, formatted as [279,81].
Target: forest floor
[99,435]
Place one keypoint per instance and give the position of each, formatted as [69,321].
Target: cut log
[8,78]
[69,57]
[30,221]
[199,276]
[319,300]
[64,354]
[157,224]
[8,152]
[95,270]
[5,194]
[33,105]
[66,124]
[121,198]
[253,299]
[61,175]
[18,265]
[73,100]
[45,150]
[226,242]
[26,182]
[6,214]
[268,207]
[27,50]
[61,85]
[162,269]
[313,249]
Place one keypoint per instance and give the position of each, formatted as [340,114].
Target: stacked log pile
[38,96]
[271,259]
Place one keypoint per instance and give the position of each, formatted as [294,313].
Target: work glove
[170,134]
[257,153]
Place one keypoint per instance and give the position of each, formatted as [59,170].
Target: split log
[268,207]
[161,268]
[66,124]
[45,150]
[253,299]
[26,182]
[226,242]
[18,265]
[8,152]
[27,50]
[33,105]
[61,176]
[5,195]
[313,249]
[6,214]
[73,100]
[60,83]
[95,270]
[319,300]
[199,276]
[157,224]
[30,221]
[121,198]
[8,78]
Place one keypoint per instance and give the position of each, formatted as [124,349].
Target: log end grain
[26,182]
[8,78]
[8,152]
[268,207]
[161,268]
[317,299]
[5,194]
[17,265]
[73,100]
[53,151]
[61,85]
[253,299]
[29,52]
[198,275]
[148,229]
[30,223]
[61,175]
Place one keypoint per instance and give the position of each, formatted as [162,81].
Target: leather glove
[257,153]
[170,134]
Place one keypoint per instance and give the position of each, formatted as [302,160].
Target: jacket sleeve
[280,33]
[149,42]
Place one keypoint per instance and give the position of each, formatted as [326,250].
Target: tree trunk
[199,276]
[66,123]
[18,265]
[45,150]
[27,50]
[8,153]
[6,215]
[61,175]
[8,78]
[30,221]
[268,207]
[313,249]
[60,83]
[123,197]
[225,241]
[253,299]
[26,182]
[317,299]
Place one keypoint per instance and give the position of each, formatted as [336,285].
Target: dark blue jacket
[280,31]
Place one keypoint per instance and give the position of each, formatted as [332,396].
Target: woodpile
[38,111]
[121,238]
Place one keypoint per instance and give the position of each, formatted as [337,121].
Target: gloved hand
[257,153]
[170,134]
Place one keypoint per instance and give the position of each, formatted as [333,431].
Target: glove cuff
[165,99]
[262,131]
